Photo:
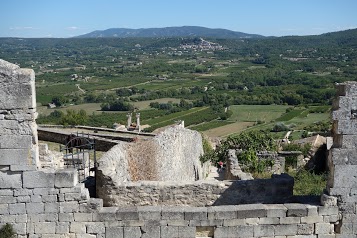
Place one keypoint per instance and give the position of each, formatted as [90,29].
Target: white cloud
[20,28]
[73,28]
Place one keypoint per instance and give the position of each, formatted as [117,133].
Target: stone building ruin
[52,204]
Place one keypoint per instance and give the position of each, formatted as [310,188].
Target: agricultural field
[90,108]
[144,105]
[254,113]
[226,130]
[248,76]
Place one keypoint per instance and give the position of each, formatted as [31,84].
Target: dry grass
[226,130]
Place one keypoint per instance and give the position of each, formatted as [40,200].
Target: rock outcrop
[173,155]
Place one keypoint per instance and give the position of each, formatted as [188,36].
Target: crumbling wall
[234,170]
[342,161]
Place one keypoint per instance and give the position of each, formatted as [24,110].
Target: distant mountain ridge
[183,31]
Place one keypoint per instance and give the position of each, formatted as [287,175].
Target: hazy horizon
[63,19]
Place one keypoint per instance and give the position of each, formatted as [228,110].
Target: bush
[250,162]
[296,147]
[7,231]
[308,183]
[279,126]
[208,152]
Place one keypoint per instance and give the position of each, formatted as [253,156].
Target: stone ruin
[42,203]
[342,161]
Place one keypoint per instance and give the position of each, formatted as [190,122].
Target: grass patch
[308,183]
[210,125]
[254,113]
[170,117]
[290,115]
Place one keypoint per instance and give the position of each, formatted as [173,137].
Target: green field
[90,108]
[210,125]
[268,115]
[253,113]
[142,105]
[244,117]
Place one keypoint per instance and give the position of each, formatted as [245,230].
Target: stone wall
[234,171]
[342,160]
[279,189]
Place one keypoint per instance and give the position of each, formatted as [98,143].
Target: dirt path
[214,174]
[80,89]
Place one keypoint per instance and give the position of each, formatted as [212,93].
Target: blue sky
[66,18]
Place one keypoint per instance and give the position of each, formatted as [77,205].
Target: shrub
[308,183]
[7,231]
[296,147]
[279,126]
[250,162]
[208,152]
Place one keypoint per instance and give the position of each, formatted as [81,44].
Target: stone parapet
[197,193]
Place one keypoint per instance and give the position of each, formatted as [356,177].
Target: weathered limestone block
[251,211]
[17,86]
[17,95]
[16,157]
[10,180]
[35,208]
[66,178]
[105,214]
[114,232]
[132,232]
[77,228]
[238,231]
[222,212]
[150,232]
[95,228]
[343,175]
[62,227]
[196,213]
[346,127]
[169,231]
[38,179]
[15,142]
[328,201]
[149,213]
[263,230]
[127,213]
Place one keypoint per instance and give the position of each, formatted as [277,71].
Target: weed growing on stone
[7,231]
